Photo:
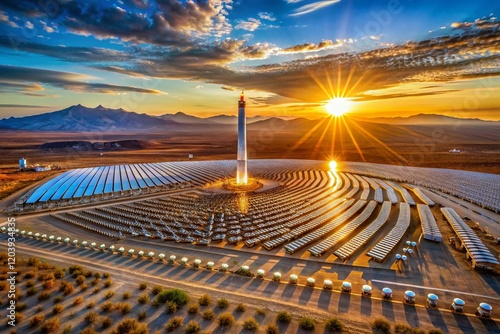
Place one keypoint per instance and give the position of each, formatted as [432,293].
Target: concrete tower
[241,172]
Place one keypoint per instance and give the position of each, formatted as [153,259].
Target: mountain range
[101,119]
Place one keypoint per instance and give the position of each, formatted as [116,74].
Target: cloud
[25,79]
[267,16]
[228,88]
[4,18]
[310,47]
[368,97]
[249,25]
[21,106]
[309,8]
[292,1]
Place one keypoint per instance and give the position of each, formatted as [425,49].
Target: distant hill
[183,118]
[81,118]
[428,119]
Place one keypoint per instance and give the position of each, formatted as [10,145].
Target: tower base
[251,185]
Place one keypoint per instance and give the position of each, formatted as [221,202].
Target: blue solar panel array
[84,182]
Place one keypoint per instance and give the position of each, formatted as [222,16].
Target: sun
[333,165]
[338,106]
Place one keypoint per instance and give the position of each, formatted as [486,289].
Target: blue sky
[396,57]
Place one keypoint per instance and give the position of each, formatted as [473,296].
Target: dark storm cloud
[17,78]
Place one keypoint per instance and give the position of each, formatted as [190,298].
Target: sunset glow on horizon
[159,57]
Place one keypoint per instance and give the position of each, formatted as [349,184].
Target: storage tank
[22,163]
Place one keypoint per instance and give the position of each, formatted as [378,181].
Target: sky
[388,58]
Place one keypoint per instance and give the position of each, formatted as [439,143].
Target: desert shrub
[66,288]
[84,287]
[435,331]
[205,300]
[131,326]
[33,262]
[20,307]
[78,301]
[225,319]
[3,285]
[174,323]
[307,324]
[272,329]
[67,329]
[251,324]
[80,279]
[142,315]
[39,308]
[176,295]
[88,330]
[91,304]
[402,329]
[97,275]
[57,309]
[30,284]
[126,295]
[46,277]
[240,308]
[192,327]
[171,307]
[49,284]
[44,295]
[260,311]
[30,274]
[75,268]
[223,303]
[208,315]
[59,273]
[96,290]
[109,294]
[107,306]
[36,320]
[143,286]
[284,316]
[382,325]
[143,299]
[50,326]
[124,308]
[156,289]
[106,322]
[193,308]
[106,275]
[32,291]
[91,317]
[95,281]
[334,324]
[108,283]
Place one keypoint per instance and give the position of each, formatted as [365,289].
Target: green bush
[272,329]
[131,326]
[251,324]
[176,295]
[334,324]
[192,327]
[307,324]
[50,326]
[174,323]
[193,308]
[382,325]
[205,300]
[284,316]
[208,315]
[225,319]
[222,303]
[171,307]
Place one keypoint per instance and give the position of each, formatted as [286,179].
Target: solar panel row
[84,182]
